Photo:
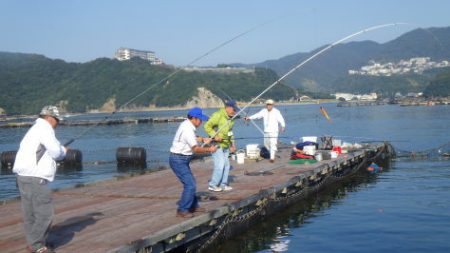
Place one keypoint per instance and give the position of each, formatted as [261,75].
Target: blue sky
[180,31]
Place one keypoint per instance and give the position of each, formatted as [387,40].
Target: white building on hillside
[124,54]
[416,65]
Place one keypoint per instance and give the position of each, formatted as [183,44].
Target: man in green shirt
[220,126]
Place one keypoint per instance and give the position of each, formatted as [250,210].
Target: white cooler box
[252,151]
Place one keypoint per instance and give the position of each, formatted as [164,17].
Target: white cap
[52,111]
[269,102]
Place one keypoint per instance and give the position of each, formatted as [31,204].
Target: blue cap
[196,112]
[232,103]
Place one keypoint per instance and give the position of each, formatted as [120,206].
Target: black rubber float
[74,158]
[131,156]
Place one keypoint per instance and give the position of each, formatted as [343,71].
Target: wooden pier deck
[137,214]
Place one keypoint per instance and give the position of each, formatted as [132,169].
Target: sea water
[406,208]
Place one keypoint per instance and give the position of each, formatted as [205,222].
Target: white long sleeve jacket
[271,119]
[26,163]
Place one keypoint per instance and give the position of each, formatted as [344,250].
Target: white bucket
[240,156]
[333,154]
[309,150]
[318,157]
[309,138]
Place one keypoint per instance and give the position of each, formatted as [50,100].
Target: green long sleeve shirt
[220,121]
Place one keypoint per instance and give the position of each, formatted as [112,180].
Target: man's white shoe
[214,188]
[227,188]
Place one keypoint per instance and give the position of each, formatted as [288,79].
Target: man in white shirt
[35,166]
[273,120]
[184,145]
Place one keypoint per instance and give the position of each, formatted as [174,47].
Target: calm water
[404,209]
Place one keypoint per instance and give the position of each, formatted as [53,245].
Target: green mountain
[30,81]
[329,71]
[439,86]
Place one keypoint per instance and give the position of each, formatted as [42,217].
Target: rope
[233,217]
[426,153]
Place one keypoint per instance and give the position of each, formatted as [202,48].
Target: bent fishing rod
[170,76]
[230,98]
[372,28]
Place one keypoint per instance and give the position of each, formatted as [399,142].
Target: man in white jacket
[35,166]
[273,120]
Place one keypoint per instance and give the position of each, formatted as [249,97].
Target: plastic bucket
[318,157]
[333,154]
[240,156]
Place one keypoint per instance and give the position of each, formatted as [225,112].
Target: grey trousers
[37,209]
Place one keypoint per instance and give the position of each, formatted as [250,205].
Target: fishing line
[262,137]
[427,30]
[439,151]
[257,127]
[171,75]
[306,61]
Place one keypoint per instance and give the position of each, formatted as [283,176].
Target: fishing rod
[257,127]
[306,61]
[427,30]
[171,75]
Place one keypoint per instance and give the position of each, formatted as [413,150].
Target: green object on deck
[302,161]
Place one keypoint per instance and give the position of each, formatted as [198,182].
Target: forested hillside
[30,81]
[440,86]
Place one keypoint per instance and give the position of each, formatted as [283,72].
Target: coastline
[164,108]
[239,103]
